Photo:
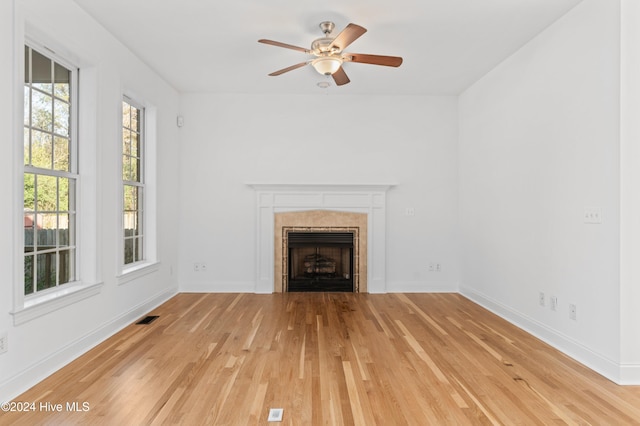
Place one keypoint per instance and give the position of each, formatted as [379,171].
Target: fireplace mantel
[272,198]
[287,187]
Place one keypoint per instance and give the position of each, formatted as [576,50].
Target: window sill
[137,271]
[50,302]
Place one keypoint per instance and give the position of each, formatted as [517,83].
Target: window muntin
[50,173]
[133,181]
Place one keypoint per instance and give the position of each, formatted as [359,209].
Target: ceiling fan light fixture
[329,53]
[327,65]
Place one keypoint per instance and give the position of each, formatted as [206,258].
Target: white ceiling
[211,46]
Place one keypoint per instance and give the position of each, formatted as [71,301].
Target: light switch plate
[593,215]
[4,342]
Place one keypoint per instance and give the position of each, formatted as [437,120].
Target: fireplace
[320,261]
[357,208]
[313,254]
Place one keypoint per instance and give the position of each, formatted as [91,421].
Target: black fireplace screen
[320,261]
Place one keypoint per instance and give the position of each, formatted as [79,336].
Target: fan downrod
[327,27]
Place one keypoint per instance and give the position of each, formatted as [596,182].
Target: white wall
[6,177]
[232,140]
[539,143]
[42,345]
[630,193]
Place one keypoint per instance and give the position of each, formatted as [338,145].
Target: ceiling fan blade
[389,61]
[347,36]
[340,77]
[285,45]
[291,68]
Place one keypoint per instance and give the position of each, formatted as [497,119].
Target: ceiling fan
[329,53]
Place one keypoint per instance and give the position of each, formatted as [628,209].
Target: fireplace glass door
[320,261]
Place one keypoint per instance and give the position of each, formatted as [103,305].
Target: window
[50,173]
[133,182]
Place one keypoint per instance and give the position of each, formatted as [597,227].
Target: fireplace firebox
[320,261]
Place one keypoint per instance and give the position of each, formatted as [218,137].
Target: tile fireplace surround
[320,221]
[282,207]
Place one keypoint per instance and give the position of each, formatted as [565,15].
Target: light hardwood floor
[332,358]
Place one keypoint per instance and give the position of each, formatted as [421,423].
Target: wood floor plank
[327,359]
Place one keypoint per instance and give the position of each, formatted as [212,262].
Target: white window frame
[87,279]
[72,174]
[149,263]
[139,241]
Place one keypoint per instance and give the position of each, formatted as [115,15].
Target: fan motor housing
[321,46]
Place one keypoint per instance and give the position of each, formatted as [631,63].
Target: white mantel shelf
[369,198]
[322,186]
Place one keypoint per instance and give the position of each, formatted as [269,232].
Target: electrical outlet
[275,414]
[409,211]
[432,267]
[541,299]
[199,267]
[572,311]
[4,342]
[438,267]
[553,301]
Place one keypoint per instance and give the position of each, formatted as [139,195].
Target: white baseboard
[421,287]
[37,372]
[218,287]
[629,374]
[600,364]
[250,287]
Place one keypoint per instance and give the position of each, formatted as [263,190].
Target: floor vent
[148,319]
